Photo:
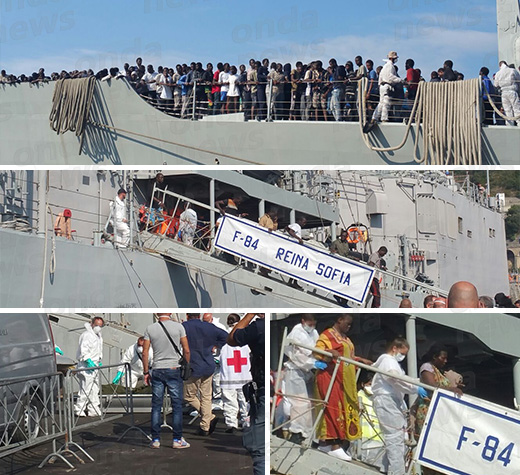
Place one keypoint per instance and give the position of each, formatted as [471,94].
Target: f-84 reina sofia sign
[281,253]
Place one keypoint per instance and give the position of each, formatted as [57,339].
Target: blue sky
[73,34]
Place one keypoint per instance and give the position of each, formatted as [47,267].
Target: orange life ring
[354,235]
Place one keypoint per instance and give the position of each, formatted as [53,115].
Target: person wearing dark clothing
[203,337]
[449,74]
[157,198]
[252,333]
[488,89]
[261,98]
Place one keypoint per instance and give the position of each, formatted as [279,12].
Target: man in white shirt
[149,79]
[164,85]
[295,231]
[508,80]
[388,79]
[223,79]
[187,224]
[120,223]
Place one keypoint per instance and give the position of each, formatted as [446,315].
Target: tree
[513,222]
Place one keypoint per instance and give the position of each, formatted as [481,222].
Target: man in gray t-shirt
[165,355]
[166,373]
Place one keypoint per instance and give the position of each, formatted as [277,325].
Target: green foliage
[500,181]
[513,222]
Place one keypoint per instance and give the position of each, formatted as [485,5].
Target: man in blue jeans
[252,333]
[166,373]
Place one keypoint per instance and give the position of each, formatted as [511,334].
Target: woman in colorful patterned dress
[340,421]
[432,373]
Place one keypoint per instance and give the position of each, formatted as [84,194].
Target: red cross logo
[237,361]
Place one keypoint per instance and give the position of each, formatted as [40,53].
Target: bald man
[406,303]
[463,295]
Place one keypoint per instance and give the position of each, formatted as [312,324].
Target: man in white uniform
[89,355]
[390,406]
[295,231]
[235,372]
[120,223]
[188,224]
[388,79]
[133,355]
[508,80]
[299,377]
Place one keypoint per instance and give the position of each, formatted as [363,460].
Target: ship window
[461,230]
[376,221]
[470,234]
[86,180]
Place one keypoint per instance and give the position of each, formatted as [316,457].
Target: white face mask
[307,328]
[399,357]
[368,390]
[139,349]
[97,329]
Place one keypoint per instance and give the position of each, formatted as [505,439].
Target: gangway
[177,251]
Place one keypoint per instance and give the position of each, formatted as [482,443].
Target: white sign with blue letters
[469,436]
[284,254]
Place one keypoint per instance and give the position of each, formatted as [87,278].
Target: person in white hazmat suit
[235,372]
[508,80]
[390,406]
[388,79]
[133,356]
[187,224]
[89,355]
[299,377]
[120,223]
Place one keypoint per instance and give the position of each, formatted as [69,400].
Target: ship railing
[316,406]
[281,101]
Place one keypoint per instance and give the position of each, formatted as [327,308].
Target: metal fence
[50,407]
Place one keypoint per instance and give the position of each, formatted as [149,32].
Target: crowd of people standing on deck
[304,91]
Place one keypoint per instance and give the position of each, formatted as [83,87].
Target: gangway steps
[206,263]
[289,458]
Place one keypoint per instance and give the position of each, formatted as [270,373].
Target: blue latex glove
[58,350]
[422,392]
[90,363]
[117,378]
[100,364]
[320,365]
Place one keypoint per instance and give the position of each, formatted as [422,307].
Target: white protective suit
[387,79]
[390,409]
[121,229]
[508,80]
[188,226]
[235,371]
[90,347]
[298,379]
[132,356]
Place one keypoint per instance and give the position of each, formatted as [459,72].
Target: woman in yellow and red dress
[340,421]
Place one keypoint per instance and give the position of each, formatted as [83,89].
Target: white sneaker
[340,454]
[324,448]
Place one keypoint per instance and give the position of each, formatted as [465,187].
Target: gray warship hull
[141,134]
